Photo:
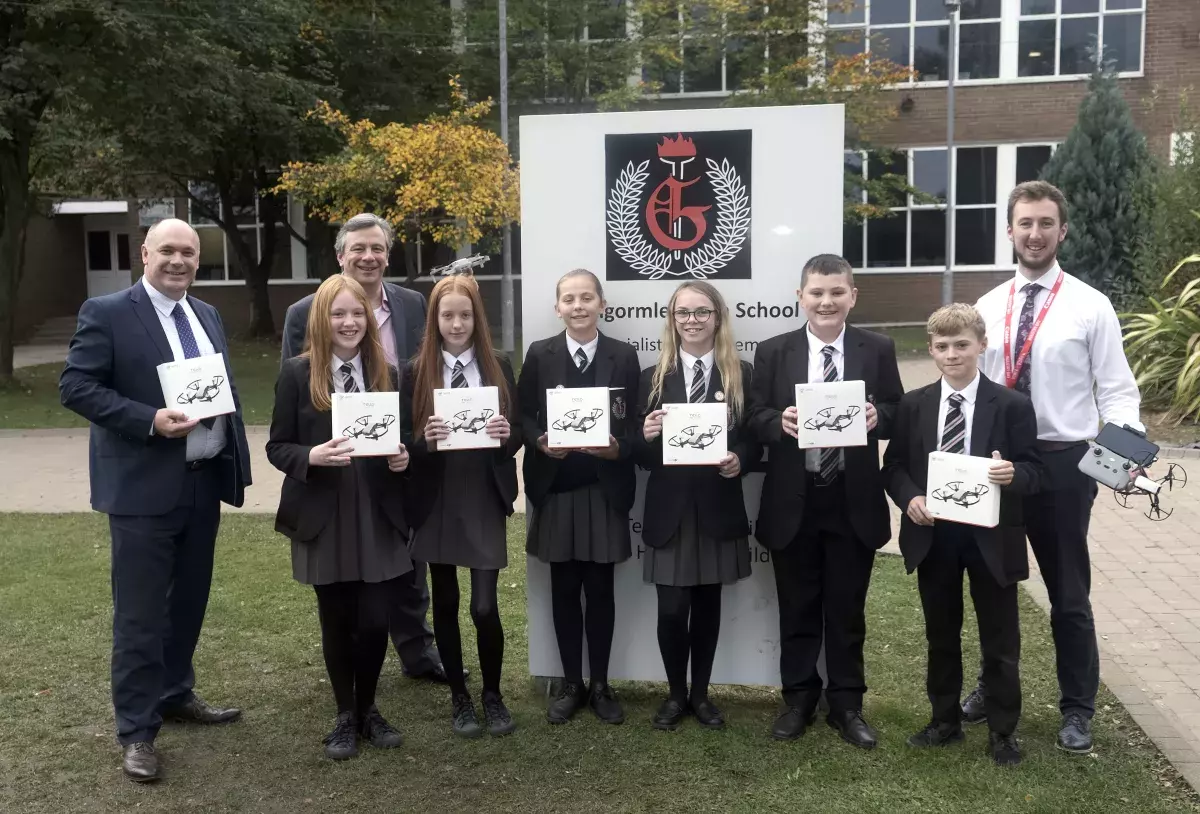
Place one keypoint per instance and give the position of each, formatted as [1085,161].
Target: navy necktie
[187,340]
[458,378]
[1030,290]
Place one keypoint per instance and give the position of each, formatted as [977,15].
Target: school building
[1022,70]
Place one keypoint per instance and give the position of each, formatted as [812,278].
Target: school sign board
[738,197]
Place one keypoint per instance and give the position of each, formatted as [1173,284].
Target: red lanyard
[1011,369]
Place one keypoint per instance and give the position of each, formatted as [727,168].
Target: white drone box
[958,490]
[370,420]
[577,417]
[199,386]
[466,411]
[695,434]
[831,414]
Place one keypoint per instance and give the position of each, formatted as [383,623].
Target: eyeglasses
[700,314]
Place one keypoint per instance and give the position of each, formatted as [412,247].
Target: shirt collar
[1045,279]
[356,363]
[689,361]
[968,393]
[466,357]
[588,347]
[815,343]
[161,302]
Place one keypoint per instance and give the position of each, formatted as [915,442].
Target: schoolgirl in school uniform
[580,499]
[697,534]
[345,516]
[461,498]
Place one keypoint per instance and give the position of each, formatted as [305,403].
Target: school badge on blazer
[678,205]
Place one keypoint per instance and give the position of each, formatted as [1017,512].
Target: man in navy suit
[363,245]
[160,478]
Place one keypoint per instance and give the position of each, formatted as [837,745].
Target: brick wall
[890,298]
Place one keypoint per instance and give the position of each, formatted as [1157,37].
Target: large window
[217,258]
[1060,37]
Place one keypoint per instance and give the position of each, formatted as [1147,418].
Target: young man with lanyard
[1056,339]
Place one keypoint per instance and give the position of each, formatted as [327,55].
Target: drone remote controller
[1107,467]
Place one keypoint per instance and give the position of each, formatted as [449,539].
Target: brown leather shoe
[197,710]
[140,762]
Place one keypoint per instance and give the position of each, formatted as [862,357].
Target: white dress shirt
[816,373]
[339,383]
[470,368]
[387,335]
[202,442]
[688,362]
[1080,375]
[589,349]
[968,410]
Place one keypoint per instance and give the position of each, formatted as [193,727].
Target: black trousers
[485,613]
[821,579]
[689,625]
[1056,522]
[161,573]
[408,607]
[568,582]
[354,639]
[939,577]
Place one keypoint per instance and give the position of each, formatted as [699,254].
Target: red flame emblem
[677,148]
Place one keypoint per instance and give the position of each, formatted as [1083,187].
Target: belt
[202,463]
[1058,446]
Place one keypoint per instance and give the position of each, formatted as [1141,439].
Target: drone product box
[958,490]
[695,434]
[577,417]
[466,411]
[831,414]
[370,420]
[199,387]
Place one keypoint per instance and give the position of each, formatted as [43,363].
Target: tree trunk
[261,323]
[14,219]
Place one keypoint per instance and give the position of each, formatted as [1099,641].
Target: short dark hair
[1037,191]
[827,264]
[364,220]
[579,273]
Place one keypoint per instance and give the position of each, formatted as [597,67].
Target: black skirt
[692,558]
[578,526]
[467,522]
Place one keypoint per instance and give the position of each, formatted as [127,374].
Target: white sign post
[595,194]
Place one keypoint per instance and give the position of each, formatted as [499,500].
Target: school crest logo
[678,205]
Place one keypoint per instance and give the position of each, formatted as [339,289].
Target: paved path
[1145,581]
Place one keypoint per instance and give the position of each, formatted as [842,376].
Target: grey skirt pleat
[466,524]
[578,526]
[691,558]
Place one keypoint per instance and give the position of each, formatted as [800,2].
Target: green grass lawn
[261,650]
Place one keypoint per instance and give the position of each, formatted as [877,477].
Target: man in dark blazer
[823,514]
[363,246]
[160,478]
[966,413]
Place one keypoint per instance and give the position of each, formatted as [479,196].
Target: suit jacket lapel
[149,319]
[396,311]
[797,361]
[604,360]
[983,420]
[852,349]
[210,327]
[715,385]
[675,386]
[556,366]
[930,407]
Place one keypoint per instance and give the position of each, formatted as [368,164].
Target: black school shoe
[974,706]
[937,734]
[342,742]
[792,723]
[499,719]
[707,714]
[605,704]
[571,698]
[1004,748]
[378,732]
[465,724]
[853,728]
[1075,736]
[669,716]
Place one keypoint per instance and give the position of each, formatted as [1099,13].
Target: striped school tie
[955,435]
[831,458]
[696,394]
[581,361]
[458,378]
[348,383]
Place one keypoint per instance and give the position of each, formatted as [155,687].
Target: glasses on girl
[682,315]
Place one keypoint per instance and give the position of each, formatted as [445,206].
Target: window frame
[297,252]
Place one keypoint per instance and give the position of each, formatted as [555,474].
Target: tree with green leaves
[1104,169]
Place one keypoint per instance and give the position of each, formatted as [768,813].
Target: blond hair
[953,319]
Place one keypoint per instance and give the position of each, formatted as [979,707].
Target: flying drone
[580,423]
[690,437]
[363,428]
[462,265]
[832,418]
[954,492]
[195,393]
[465,422]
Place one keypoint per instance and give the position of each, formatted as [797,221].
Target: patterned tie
[348,383]
[581,360]
[955,434]
[831,458]
[1030,290]
[696,395]
[187,340]
[458,378]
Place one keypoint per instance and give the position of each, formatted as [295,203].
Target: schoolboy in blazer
[823,529]
[966,412]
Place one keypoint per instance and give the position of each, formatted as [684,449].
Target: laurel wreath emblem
[728,237]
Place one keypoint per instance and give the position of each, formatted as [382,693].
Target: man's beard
[1042,265]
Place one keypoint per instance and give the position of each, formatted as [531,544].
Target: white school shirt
[470,368]
[589,349]
[339,385]
[1080,375]
[688,363]
[968,409]
[202,443]
[816,373]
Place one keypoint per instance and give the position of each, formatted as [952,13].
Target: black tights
[677,639]
[485,612]
[354,639]
[595,580]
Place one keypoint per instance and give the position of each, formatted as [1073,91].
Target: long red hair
[427,364]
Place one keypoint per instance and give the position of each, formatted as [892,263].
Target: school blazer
[309,497]
[669,489]
[1004,421]
[427,464]
[780,364]
[617,368]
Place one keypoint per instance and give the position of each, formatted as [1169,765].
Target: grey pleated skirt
[691,558]
[466,524]
[578,525]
